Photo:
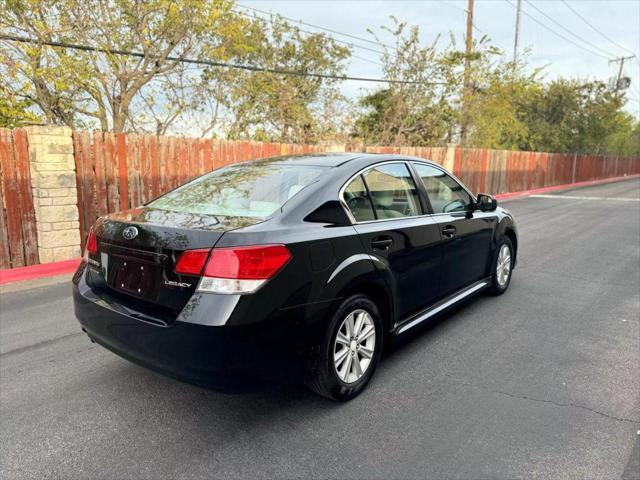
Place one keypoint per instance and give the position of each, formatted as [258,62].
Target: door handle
[449,231]
[381,243]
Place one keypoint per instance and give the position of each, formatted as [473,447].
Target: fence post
[450,156]
[55,196]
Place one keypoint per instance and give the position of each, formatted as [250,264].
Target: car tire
[501,271]
[336,379]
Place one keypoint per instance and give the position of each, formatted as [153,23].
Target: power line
[594,28]
[556,33]
[368,60]
[475,27]
[316,33]
[264,12]
[553,20]
[211,63]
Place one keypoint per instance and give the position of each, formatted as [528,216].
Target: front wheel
[502,267]
[350,350]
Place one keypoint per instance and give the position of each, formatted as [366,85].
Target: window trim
[456,179]
[419,185]
[344,203]
[366,169]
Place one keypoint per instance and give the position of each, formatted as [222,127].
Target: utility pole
[621,62]
[517,37]
[467,73]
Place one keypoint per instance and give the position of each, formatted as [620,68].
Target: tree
[498,90]
[416,107]
[79,88]
[286,108]
[574,116]
[15,112]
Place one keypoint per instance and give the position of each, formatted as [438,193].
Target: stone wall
[55,197]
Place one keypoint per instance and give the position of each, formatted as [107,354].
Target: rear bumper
[222,357]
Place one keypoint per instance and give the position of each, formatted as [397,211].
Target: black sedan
[298,267]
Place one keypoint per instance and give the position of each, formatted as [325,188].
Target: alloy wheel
[354,346]
[503,265]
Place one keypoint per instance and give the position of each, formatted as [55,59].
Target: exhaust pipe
[89,336]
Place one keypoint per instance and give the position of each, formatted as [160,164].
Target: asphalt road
[543,381]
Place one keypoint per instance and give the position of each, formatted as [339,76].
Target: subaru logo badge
[130,233]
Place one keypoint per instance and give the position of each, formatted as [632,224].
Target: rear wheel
[502,267]
[350,350]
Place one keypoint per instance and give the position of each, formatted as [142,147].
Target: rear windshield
[243,190]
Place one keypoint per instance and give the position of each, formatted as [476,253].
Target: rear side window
[392,190]
[445,194]
[358,201]
[242,190]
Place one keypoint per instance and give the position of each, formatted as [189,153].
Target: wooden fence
[18,246]
[117,172]
[502,171]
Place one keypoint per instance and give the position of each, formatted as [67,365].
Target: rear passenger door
[466,232]
[395,229]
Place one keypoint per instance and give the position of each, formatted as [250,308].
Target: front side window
[445,194]
[392,190]
[243,190]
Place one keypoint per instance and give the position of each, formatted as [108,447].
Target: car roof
[334,159]
[329,159]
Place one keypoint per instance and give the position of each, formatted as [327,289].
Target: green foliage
[77,88]
[418,111]
[523,113]
[287,108]
[14,111]
[503,105]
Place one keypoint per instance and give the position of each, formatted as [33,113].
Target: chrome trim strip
[442,169]
[404,160]
[464,294]
[361,172]
[348,261]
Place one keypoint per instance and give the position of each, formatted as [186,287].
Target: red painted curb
[565,186]
[31,272]
[69,266]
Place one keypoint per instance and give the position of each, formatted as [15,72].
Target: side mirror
[486,203]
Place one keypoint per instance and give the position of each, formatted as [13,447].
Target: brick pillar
[55,197]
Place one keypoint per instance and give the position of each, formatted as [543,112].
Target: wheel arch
[378,293]
[511,235]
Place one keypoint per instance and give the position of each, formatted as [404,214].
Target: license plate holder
[134,276]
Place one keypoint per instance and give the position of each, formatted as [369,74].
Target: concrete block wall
[55,196]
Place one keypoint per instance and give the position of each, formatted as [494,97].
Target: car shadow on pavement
[264,400]
[133,400]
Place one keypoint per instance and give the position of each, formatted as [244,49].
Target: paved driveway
[541,382]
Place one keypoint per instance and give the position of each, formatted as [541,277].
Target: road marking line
[577,197]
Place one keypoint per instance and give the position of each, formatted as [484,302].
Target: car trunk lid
[137,251]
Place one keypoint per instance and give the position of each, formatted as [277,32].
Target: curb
[31,272]
[565,186]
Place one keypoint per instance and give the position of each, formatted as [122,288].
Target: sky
[585,55]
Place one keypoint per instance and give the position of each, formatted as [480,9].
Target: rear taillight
[92,243]
[192,262]
[234,269]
